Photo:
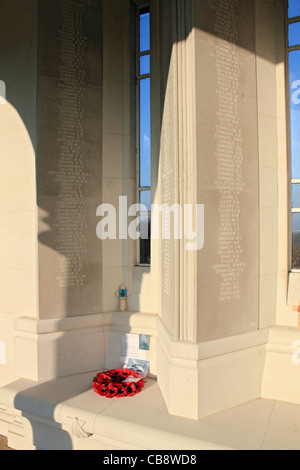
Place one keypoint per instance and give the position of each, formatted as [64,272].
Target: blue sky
[294,8]
[294,67]
[294,79]
[145,100]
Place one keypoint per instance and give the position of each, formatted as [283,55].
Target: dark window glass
[145,243]
[295,241]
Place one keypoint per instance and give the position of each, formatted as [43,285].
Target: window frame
[292,181]
[143,8]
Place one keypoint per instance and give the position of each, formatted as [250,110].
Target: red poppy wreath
[118,383]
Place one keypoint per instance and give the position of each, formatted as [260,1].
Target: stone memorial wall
[227,167]
[69,156]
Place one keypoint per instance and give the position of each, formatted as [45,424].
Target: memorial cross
[123,293]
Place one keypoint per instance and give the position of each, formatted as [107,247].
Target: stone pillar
[178,167]
[178,186]
[209,156]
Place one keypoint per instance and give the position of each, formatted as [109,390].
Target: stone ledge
[69,407]
[65,414]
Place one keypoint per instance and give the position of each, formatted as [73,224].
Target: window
[293,45]
[144,134]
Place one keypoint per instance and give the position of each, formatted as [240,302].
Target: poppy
[121,391]
[102,377]
[131,389]
[96,386]
[140,385]
[100,389]
[111,391]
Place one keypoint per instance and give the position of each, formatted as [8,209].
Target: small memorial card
[132,379]
[144,342]
[134,353]
[137,365]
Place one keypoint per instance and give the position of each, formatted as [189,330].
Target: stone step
[65,414]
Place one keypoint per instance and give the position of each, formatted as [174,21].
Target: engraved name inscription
[70,212]
[167,191]
[229,154]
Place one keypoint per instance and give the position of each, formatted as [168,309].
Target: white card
[131,347]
